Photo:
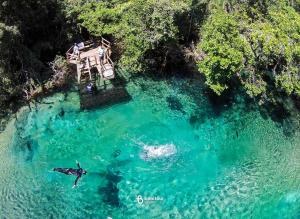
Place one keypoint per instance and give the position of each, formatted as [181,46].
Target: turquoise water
[169,143]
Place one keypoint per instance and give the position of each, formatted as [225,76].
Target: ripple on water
[169,142]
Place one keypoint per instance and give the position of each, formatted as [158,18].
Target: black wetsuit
[70,171]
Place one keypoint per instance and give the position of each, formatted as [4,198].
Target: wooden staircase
[91,70]
[87,76]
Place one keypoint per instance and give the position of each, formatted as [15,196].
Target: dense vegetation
[254,43]
[31,33]
[144,30]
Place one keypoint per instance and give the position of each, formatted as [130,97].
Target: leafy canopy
[138,26]
[257,43]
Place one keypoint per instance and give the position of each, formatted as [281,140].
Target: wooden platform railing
[110,61]
[88,45]
[88,58]
[105,43]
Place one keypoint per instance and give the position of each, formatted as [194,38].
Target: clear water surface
[169,143]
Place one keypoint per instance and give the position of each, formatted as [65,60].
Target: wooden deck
[104,91]
[88,61]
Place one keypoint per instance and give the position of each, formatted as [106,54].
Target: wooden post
[89,67]
[78,72]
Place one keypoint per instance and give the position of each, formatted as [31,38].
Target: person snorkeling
[70,171]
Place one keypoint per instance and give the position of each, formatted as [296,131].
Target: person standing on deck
[75,51]
[101,52]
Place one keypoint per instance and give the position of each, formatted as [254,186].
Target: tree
[31,33]
[256,41]
[226,50]
[138,26]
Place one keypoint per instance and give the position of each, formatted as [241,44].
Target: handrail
[87,45]
[87,58]
[105,40]
[110,62]
[70,49]
[105,43]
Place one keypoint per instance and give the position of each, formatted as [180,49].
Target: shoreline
[275,112]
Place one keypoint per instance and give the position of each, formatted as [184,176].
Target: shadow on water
[282,117]
[110,191]
[228,99]
[105,98]
[105,93]
[208,105]
[227,106]
[276,112]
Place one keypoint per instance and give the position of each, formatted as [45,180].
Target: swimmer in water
[70,171]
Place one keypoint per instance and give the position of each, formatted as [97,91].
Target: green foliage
[255,42]
[289,80]
[31,32]
[253,83]
[226,50]
[138,26]
[152,27]
[9,36]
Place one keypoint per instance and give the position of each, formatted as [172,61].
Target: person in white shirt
[101,52]
[75,50]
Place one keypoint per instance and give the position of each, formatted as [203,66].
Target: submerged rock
[197,119]
[116,153]
[61,113]
[175,104]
